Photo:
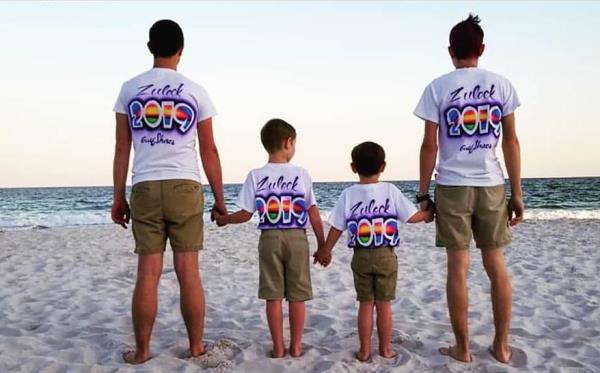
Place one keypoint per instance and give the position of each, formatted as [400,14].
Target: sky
[340,72]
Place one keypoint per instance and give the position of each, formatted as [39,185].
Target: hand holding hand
[322,257]
[429,206]
[218,217]
[120,212]
[219,209]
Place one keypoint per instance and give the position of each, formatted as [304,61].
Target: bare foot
[276,354]
[197,352]
[463,357]
[296,352]
[130,357]
[502,355]
[387,353]
[362,357]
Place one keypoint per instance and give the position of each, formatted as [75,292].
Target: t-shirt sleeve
[246,199]
[511,99]
[309,198]
[206,109]
[337,218]
[404,207]
[120,105]
[428,107]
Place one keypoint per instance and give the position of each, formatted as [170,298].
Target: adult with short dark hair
[467,111]
[162,112]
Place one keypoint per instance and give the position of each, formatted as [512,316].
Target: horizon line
[314,182]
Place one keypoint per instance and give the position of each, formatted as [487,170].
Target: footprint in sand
[518,359]
[219,355]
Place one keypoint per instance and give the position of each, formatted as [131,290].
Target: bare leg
[191,298]
[458,303]
[144,304]
[384,328]
[365,329]
[275,320]
[297,315]
[501,291]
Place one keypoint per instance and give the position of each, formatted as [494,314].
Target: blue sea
[23,208]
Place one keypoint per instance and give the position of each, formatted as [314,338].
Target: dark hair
[368,157]
[166,38]
[274,133]
[466,38]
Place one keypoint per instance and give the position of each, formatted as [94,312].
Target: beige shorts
[465,212]
[284,267]
[170,209]
[375,273]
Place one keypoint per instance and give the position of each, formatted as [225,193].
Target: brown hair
[367,158]
[274,133]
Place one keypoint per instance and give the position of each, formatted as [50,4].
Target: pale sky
[340,72]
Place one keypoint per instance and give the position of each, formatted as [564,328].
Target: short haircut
[274,133]
[466,38]
[368,157]
[166,38]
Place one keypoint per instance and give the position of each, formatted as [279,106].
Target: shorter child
[282,194]
[371,211]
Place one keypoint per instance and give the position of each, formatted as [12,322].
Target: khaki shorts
[170,209]
[464,212]
[375,273]
[284,266]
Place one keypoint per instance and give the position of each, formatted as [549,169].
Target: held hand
[428,206]
[322,257]
[120,212]
[216,216]
[516,207]
[218,209]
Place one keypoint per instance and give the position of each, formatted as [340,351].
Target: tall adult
[467,112]
[161,112]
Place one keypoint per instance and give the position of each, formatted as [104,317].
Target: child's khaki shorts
[464,212]
[375,273]
[284,266]
[164,209]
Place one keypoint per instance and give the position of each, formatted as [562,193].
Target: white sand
[65,301]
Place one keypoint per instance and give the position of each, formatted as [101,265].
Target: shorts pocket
[186,187]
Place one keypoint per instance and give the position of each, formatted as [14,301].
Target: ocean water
[23,208]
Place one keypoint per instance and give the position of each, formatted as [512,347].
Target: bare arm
[211,163]
[420,216]
[429,148]
[238,217]
[512,159]
[120,208]
[317,224]
[427,157]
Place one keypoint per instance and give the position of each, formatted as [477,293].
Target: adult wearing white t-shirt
[467,111]
[162,112]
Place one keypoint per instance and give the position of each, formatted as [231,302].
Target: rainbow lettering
[373,232]
[285,211]
[155,113]
[471,120]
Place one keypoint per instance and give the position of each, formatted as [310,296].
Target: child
[283,196]
[371,211]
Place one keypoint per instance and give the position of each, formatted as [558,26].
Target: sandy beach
[65,304]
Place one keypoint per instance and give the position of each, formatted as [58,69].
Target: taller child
[467,111]
[161,112]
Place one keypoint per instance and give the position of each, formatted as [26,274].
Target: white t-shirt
[468,105]
[163,108]
[282,193]
[372,214]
